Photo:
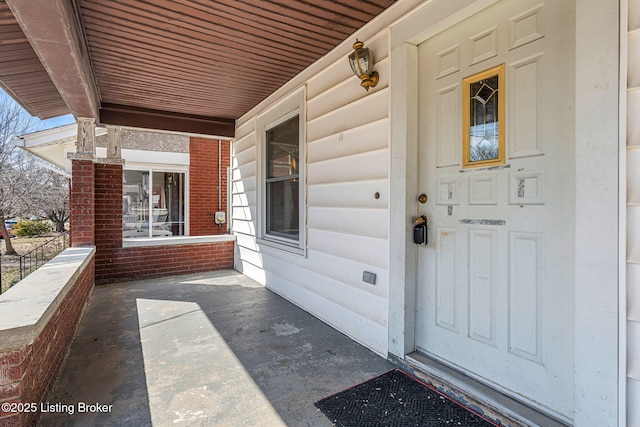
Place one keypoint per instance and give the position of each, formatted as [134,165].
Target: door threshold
[475,395]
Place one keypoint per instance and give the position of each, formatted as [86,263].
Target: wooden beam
[144,118]
[54,31]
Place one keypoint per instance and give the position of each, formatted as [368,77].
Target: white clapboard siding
[358,221]
[367,109]
[246,213]
[633,217]
[246,241]
[244,227]
[352,194]
[350,272]
[347,227]
[244,171]
[372,165]
[371,136]
[243,193]
[250,256]
[244,157]
[361,249]
[243,130]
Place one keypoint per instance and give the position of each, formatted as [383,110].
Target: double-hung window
[281,204]
[282,179]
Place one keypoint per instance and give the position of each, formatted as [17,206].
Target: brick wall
[116,264]
[203,187]
[160,261]
[27,373]
[81,203]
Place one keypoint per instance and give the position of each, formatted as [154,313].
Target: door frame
[599,396]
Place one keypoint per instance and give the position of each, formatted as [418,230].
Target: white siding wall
[347,228]
[633,216]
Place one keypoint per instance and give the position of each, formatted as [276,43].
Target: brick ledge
[183,240]
[28,307]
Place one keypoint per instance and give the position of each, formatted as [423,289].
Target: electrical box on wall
[220,218]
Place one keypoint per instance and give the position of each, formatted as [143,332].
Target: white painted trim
[434,17]
[55,135]
[178,240]
[402,207]
[146,157]
[622,212]
[597,316]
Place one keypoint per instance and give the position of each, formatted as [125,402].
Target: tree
[16,172]
[50,198]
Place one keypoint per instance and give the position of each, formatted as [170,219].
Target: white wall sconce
[361,62]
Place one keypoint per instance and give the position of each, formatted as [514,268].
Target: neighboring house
[511,126]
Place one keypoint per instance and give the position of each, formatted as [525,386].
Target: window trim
[292,105]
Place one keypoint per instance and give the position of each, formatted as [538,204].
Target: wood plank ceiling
[21,73]
[207,58]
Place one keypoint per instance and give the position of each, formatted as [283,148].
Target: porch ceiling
[164,64]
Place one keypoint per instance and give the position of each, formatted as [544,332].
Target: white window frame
[162,168]
[292,105]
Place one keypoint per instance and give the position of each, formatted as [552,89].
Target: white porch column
[596,217]
[402,206]
[632,151]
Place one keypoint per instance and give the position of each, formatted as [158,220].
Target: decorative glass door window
[283,180]
[153,204]
[483,118]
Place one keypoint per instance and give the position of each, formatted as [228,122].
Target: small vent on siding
[369,277]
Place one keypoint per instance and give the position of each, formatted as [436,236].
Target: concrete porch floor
[205,349]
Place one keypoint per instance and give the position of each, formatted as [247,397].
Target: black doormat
[395,399]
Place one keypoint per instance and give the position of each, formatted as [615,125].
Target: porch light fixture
[361,62]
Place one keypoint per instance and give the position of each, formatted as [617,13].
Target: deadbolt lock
[422,198]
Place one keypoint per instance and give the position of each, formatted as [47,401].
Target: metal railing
[39,255]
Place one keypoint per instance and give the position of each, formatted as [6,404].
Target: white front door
[495,281]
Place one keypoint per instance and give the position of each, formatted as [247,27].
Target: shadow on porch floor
[205,349]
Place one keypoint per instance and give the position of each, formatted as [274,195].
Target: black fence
[35,258]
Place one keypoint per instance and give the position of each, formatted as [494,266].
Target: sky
[58,121]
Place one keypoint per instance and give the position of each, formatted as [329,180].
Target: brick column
[81,197]
[81,203]
[108,208]
[108,215]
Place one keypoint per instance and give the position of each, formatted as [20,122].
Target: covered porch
[239,69]
[202,349]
